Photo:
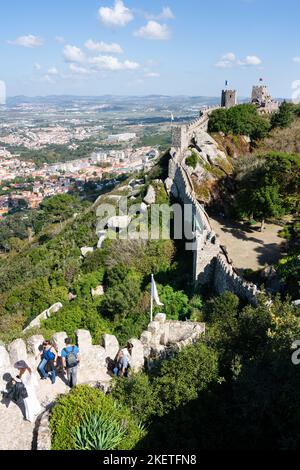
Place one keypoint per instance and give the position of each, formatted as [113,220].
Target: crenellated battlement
[160,335]
[182,135]
[210,265]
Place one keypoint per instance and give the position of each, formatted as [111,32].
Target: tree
[176,303]
[270,188]
[239,120]
[122,298]
[284,117]
[60,207]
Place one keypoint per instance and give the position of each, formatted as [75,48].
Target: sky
[141,47]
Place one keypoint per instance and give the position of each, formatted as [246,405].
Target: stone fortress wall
[182,135]
[210,264]
[160,335]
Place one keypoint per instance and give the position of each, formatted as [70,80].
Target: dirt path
[247,246]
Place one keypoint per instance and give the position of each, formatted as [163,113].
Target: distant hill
[62,100]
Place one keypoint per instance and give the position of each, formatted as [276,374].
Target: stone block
[54,308]
[85,250]
[99,356]
[146,338]
[58,341]
[4,359]
[150,197]
[160,317]
[98,291]
[137,355]
[17,351]
[119,222]
[154,327]
[34,345]
[165,336]
[84,340]
[111,346]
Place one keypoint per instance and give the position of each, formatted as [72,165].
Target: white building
[121,137]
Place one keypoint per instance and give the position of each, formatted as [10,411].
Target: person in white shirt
[29,379]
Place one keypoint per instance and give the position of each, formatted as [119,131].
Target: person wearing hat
[32,405]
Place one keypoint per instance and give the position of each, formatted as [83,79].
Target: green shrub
[175,383]
[240,120]
[70,412]
[98,431]
[176,303]
[193,160]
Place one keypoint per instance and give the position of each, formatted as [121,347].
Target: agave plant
[98,431]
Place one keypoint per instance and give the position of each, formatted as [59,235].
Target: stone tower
[260,95]
[229,98]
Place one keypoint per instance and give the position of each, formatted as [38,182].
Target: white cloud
[251,60]
[48,78]
[105,62]
[130,65]
[52,71]
[78,70]
[152,75]
[223,64]
[27,41]
[166,14]
[112,48]
[226,61]
[60,39]
[230,56]
[119,15]
[153,30]
[230,60]
[73,54]
[296,60]
[37,66]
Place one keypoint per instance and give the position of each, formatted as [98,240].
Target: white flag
[154,292]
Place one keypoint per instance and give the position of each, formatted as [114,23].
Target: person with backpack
[48,362]
[70,360]
[29,380]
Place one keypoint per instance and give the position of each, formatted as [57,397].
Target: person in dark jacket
[16,391]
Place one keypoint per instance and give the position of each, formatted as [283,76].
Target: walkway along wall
[159,336]
[210,265]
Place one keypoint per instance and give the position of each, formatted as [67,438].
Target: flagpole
[151,302]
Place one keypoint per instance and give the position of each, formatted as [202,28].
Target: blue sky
[136,47]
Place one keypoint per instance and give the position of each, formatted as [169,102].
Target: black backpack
[17,392]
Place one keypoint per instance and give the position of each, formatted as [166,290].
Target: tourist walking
[28,378]
[70,360]
[48,362]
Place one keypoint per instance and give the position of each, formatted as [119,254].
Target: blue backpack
[49,355]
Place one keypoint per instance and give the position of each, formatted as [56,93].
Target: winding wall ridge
[210,265]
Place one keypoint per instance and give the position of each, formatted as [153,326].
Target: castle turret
[263,100]
[229,98]
[260,95]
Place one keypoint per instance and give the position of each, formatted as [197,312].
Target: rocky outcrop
[98,291]
[150,197]
[85,250]
[119,222]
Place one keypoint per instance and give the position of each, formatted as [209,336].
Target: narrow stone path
[18,434]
